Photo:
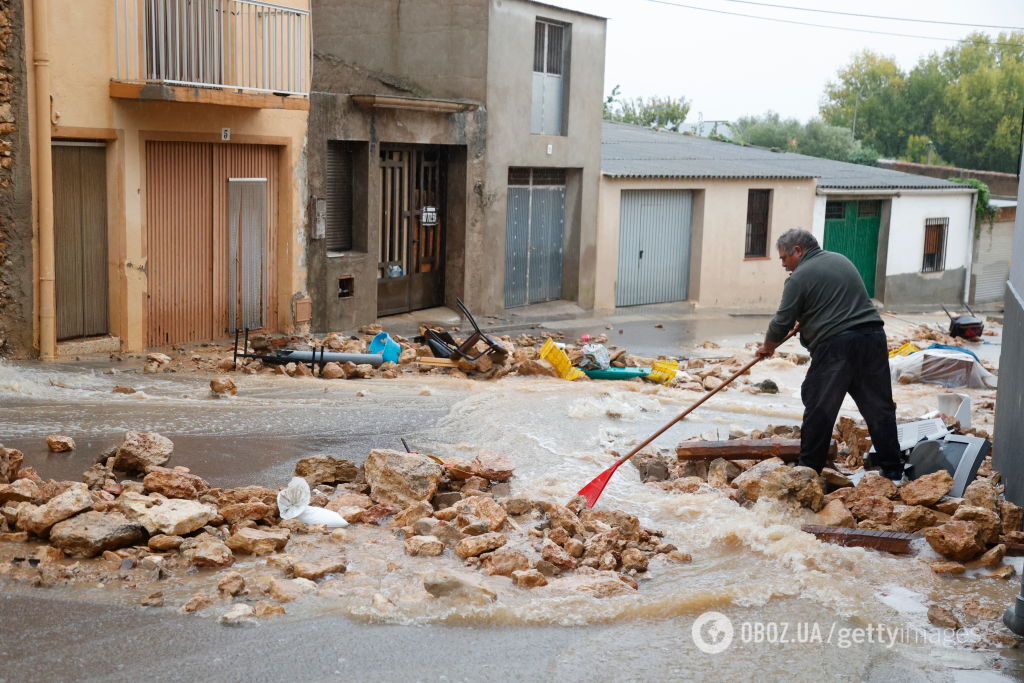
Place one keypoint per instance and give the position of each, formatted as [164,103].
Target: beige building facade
[167,170]
[720,273]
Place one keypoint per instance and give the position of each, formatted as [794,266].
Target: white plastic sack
[293,503]
[595,357]
[944,367]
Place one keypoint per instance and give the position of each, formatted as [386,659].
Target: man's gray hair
[796,237]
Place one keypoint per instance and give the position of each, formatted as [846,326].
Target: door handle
[641,253]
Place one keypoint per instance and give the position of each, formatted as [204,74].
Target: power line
[838,28]
[874,16]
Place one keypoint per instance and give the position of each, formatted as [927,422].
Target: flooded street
[794,603]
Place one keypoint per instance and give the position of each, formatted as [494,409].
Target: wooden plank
[745,449]
[438,362]
[1014,549]
[889,541]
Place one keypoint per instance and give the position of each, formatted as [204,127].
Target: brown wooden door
[80,239]
[194,276]
[411,266]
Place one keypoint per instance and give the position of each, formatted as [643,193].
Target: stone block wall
[16,263]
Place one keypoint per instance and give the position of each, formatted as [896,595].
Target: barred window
[338,188]
[934,245]
[834,210]
[758,204]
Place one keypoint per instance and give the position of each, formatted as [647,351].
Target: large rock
[57,509]
[986,520]
[800,485]
[318,569]
[10,462]
[171,516]
[223,386]
[504,561]
[141,450]
[443,584]
[253,510]
[91,533]
[910,519]
[237,614]
[556,555]
[957,540]
[483,508]
[927,490]
[19,490]
[599,584]
[1011,515]
[288,590]
[874,508]
[174,483]
[471,546]
[873,484]
[529,578]
[401,478]
[982,494]
[412,514]
[722,472]
[254,541]
[427,545]
[561,517]
[326,469]
[627,524]
[836,514]
[749,483]
[537,367]
[492,466]
[210,552]
[58,443]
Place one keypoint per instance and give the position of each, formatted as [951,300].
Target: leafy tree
[661,113]
[815,138]
[921,150]
[967,100]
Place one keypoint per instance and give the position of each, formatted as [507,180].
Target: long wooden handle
[696,405]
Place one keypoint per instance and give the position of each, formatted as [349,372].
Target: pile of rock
[171,520]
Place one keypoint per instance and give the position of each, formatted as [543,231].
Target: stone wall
[16,265]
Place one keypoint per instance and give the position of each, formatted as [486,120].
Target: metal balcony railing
[241,44]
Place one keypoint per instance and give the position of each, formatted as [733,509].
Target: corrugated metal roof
[635,152]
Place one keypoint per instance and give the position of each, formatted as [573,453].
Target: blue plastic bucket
[387,347]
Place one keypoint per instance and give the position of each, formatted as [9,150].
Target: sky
[730,66]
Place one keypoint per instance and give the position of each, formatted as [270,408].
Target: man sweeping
[843,332]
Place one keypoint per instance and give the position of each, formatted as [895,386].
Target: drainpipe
[971,227]
[44,181]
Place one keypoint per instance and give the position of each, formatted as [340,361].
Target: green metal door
[851,229]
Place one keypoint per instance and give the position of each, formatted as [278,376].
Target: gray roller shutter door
[654,246]
[993,264]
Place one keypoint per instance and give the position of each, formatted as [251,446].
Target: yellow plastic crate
[560,361]
[663,371]
[905,350]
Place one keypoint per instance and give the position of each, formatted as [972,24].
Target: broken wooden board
[745,449]
[1014,549]
[437,362]
[889,541]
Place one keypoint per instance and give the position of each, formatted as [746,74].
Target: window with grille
[338,191]
[518,176]
[868,209]
[934,245]
[550,82]
[834,210]
[758,204]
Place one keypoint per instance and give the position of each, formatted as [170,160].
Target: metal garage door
[654,246]
[80,238]
[209,240]
[535,223]
[992,266]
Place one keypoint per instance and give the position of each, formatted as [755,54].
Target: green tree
[662,113]
[866,98]
[967,100]
[815,138]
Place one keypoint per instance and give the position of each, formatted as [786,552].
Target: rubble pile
[170,522]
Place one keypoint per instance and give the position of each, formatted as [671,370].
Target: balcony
[231,52]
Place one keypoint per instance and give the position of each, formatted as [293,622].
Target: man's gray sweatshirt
[826,295]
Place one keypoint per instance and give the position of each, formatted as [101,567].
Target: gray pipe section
[374,359]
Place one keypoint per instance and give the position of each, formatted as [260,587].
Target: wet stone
[425,545]
[943,618]
[265,608]
[237,614]
[141,450]
[475,545]
[90,533]
[529,578]
[231,583]
[318,569]
[58,443]
[163,542]
[985,519]
[926,490]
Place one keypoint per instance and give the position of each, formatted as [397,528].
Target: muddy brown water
[795,605]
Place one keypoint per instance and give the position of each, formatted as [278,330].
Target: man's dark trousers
[856,362]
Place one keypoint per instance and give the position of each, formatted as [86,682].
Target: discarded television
[959,455]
